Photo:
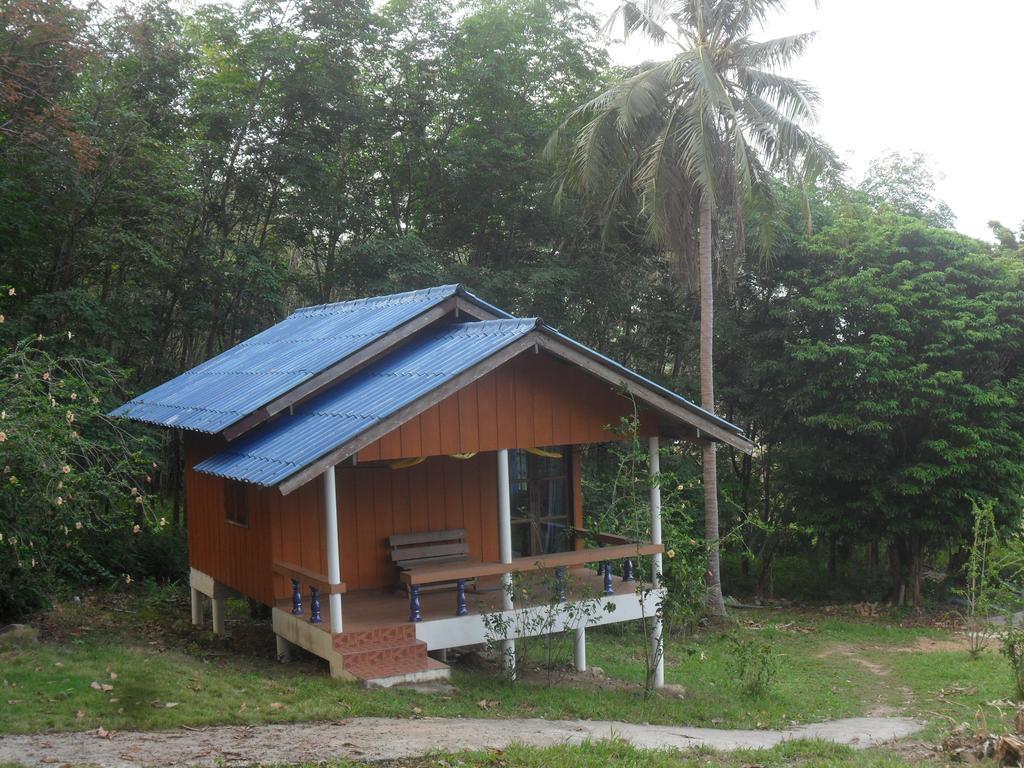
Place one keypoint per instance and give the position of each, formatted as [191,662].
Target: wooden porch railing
[559,561]
[316,582]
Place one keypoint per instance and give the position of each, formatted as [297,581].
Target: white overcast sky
[942,77]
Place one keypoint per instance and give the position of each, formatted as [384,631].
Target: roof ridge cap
[449,289]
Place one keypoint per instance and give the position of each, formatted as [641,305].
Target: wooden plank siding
[534,400]
[237,556]
[531,401]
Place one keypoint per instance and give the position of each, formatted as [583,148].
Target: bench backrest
[426,545]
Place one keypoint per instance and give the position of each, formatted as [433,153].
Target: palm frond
[772,54]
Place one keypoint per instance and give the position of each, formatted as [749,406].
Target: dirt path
[880,708]
[372,738]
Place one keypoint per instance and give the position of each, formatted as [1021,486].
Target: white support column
[508,647]
[580,649]
[333,546]
[197,607]
[657,638]
[218,614]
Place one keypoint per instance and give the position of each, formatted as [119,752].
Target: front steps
[379,658]
[387,656]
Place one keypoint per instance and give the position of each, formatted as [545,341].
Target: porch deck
[368,609]
[379,645]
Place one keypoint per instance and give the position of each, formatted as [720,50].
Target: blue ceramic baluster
[627,570]
[608,579]
[296,598]
[414,603]
[314,605]
[461,609]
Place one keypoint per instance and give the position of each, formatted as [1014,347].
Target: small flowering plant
[67,471]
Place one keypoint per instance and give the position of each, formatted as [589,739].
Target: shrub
[756,664]
[68,473]
[1013,650]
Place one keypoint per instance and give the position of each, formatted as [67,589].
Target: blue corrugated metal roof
[214,395]
[275,451]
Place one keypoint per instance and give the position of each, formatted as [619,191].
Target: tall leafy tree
[689,143]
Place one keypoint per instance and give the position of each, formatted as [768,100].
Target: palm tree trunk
[716,603]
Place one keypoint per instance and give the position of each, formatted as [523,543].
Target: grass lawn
[160,673]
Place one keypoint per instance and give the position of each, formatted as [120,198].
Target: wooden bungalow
[376,470]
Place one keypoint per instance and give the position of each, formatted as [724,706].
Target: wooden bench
[412,550]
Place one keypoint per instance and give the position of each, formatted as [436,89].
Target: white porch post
[197,607]
[580,648]
[657,639]
[508,647]
[333,547]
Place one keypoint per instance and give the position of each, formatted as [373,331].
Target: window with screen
[541,500]
[236,510]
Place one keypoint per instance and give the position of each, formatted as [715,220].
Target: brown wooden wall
[373,503]
[233,555]
[531,401]
[535,400]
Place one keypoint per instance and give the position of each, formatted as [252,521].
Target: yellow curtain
[542,452]
[406,463]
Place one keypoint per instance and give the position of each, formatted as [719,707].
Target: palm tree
[690,142]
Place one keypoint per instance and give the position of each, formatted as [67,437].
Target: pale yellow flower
[67,469]
[69,335]
[60,500]
[2,319]
[163,521]
[138,499]
[136,528]
[11,292]
[127,578]
[3,437]
[78,526]
[46,376]
[74,395]
[135,491]
[69,416]
[670,554]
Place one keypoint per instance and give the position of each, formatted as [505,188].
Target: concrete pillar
[197,607]
[218,615]
[657,631]
[333,546]
[580,649]
[505,550]
[284,650]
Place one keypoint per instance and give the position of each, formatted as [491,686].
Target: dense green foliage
[173,181]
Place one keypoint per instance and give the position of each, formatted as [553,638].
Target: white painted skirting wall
[460,631]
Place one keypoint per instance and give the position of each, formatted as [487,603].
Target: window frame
[236,503]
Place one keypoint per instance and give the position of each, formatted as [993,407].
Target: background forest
[173,181]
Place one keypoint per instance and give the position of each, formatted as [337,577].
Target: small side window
[236,509]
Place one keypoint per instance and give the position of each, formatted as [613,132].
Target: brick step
[374,639]
[406,653]
[387,673]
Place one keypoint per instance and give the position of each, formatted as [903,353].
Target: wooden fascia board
[649,396]
[342,369]
[402,415]
[474,310]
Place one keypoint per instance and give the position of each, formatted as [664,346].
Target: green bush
[1013,650]
[69,475]
[756,664]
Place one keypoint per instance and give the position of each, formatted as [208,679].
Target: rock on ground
[373,738]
